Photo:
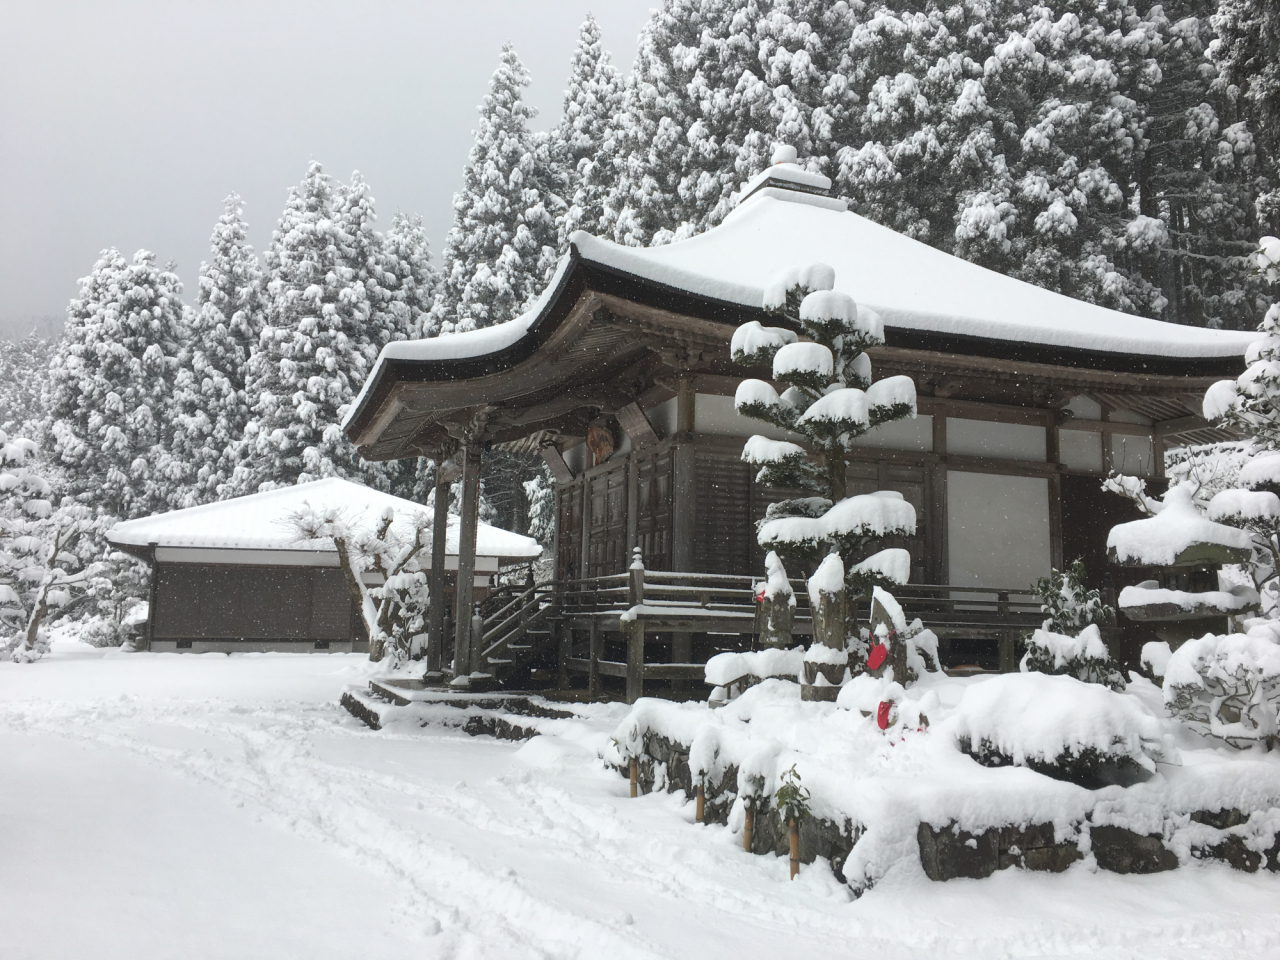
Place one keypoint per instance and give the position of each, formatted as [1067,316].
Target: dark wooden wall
[725,505]
[232,601]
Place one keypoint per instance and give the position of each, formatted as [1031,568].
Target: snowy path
[211,806]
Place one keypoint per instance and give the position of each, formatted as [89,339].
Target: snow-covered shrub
[830,401]
[1083,656]
[1068,605]
[393,610]
[39,568]
[1229,686]
[1059,726]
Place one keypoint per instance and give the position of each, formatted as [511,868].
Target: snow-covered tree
[410,277]
[830,402]
[111,385]
[24,381]
[314,352]
[585,144]
[210,409]
[1091,149]
[39,565]
[503,243]
[394,610]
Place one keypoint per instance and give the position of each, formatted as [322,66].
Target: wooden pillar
[1053,451]
[635,630]
[938,534]
[593,651]
[584,570]
[681,652]
[633,502]
[439,534]
[635,659]
[466,647]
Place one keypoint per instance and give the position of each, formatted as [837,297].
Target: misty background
[126,123]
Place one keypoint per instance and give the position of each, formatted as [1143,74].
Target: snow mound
[1037,718]
[869,514]
[893,564]
[1157,541]
[752,339]
[806,359]
[844,406]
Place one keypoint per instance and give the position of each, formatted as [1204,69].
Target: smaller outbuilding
[235,576]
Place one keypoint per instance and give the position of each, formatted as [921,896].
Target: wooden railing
[642,602]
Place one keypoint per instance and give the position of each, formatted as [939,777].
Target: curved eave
[584,275]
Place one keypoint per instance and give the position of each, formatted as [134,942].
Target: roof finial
[783,153]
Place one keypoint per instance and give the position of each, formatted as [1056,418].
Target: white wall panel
[997,529]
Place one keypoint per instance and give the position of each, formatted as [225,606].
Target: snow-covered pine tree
[830,402]
[502,247]
[313,352]
[410,277]
[1088,149]
[111,385]
[210,409]
[585,145]
[24,381]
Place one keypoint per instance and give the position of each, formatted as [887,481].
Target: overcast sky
[124,124]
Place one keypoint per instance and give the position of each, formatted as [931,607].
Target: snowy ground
[164,805]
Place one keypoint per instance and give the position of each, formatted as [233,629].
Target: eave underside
[612,349]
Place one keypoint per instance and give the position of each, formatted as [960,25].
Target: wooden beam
[1171,428]
[559,469]
[1109,427]
[637,426]
[995,412]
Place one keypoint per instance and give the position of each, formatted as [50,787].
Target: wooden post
[748,825]
[635,629]
[700,810]
[635,778]
[564,648]
[684,490]
[467,658]
[1007,637]
[439,535]
[593,651]
[635,660]
[681,652]
[793,837]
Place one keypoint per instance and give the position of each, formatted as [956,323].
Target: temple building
[620,377]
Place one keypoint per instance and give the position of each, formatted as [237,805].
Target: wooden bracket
[559,469]
[637,426]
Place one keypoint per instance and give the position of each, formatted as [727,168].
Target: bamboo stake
[702,804]
[794,838]
[748,827]
[635,777]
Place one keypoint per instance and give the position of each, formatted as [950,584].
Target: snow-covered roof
[260,521]
[911,285]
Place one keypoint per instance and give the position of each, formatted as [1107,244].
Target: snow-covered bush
[394,608]
[1083,656]
[1058,726]
[1068,605]
[39,568]
[1229,686]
